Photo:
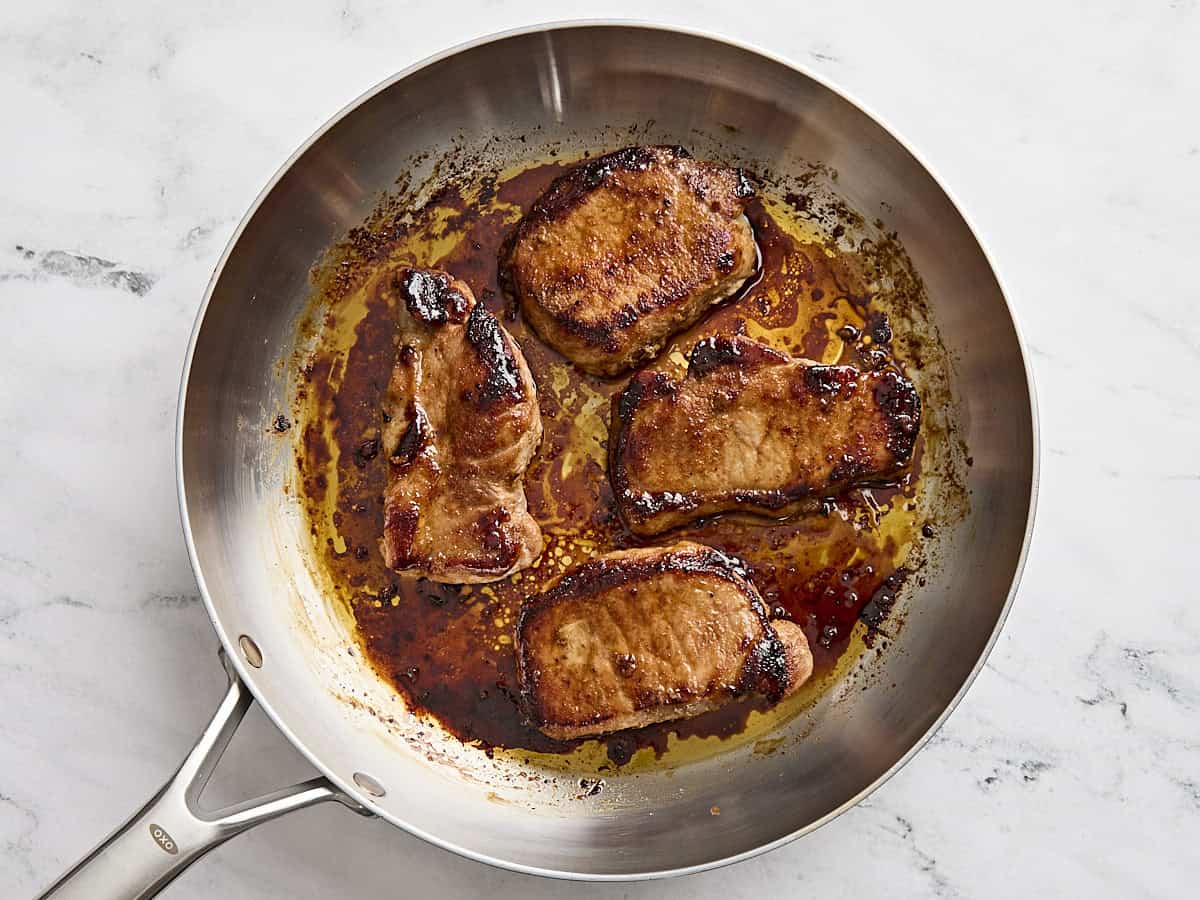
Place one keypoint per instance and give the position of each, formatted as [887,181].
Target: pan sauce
[447,648]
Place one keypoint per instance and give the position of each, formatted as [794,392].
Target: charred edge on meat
[430,297]
[572,187]
[502,380]
[721,350]
[415,438]
[766,668]
[642,386]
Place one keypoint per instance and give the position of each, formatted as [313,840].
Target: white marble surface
[139,132]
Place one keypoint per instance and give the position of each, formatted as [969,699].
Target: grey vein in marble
[80,269]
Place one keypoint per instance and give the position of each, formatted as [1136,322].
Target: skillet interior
[572,84]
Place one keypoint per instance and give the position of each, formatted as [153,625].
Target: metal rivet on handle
[369,784]
[250,651]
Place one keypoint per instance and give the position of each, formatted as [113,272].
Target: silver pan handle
[171,832]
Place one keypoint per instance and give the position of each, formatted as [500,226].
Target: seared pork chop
[463,424]
[650,635]
[749,428]
[627,249]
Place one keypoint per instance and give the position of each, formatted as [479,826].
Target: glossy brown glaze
[449,649]
[625,250]
[754,430]
[461,426]
[647,635]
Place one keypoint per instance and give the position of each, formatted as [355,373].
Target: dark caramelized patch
[711,352]
[569,190]
[413,441]
[723,350]
[876,610]
[430,297]
[603,333]
[766,670]
[399,529]
[501,380]
[642,385]
[898,399]
[828,379]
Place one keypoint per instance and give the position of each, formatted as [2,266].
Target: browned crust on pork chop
[755,430]
[650,635]
[462,424]
[627,249]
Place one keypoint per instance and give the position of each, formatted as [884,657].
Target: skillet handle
[171,831]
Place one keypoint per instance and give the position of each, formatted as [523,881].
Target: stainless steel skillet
[284,647]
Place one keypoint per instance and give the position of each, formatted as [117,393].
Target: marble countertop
[140,132]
